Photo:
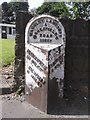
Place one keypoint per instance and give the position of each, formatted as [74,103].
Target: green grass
[7,53]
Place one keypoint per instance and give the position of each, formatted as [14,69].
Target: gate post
[22,19]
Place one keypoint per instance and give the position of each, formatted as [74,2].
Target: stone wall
[22,19]
[76,59]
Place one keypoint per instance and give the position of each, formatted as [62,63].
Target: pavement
[16,109]
[14,106]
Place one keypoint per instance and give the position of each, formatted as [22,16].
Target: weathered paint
[44,54]
[56,65]
[37,66]
[37,60]
[45,29]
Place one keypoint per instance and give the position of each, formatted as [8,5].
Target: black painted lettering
[35,33]
[37,66]
[50,35]
[56,37]
[55,33]
[40,62]
[45,24]
[30,34]
[34,62]
[43,35]
[28,57]
[34,36]
[41,29]
[32,70]
[60,35]
[50,21]
[34,78]
[28,71]
[47,35]
[40,35]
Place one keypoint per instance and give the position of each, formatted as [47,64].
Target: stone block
[45,71]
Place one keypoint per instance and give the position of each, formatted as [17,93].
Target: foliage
[71,10]
[54,9]
[80,10]
[9,10]
[4,11]
[6,51]
[14,6]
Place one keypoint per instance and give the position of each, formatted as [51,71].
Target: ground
[15,106]
[18,109]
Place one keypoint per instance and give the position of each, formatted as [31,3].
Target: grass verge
[7,53]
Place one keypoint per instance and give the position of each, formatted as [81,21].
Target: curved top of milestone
[44,29]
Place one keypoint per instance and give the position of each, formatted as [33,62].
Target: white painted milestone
[44,45]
